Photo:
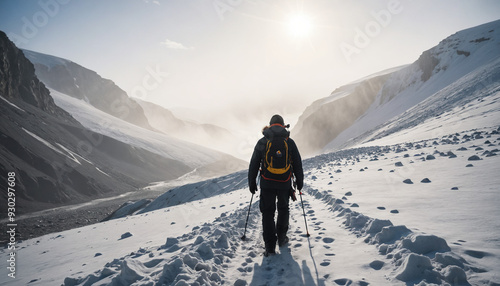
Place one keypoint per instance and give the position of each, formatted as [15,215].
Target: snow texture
[195,239]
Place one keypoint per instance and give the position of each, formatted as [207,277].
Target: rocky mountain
[72,79]
[58,160]
[19,81]
[460,69]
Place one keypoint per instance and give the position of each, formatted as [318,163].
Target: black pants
[273,231]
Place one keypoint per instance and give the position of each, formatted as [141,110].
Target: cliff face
[74,80]
[327,120]
[19,80]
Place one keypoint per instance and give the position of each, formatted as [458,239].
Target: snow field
[367,226]
[214,254]
[446,198]
[403,233]
[49,259]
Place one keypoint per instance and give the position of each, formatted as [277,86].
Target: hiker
[278,159]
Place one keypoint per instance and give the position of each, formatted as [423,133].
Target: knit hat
[277,119]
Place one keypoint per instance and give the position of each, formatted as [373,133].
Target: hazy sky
[251,57]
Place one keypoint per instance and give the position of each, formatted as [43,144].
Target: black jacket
[258,156]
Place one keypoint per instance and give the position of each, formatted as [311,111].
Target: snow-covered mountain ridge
[192,155]
[72,79]
[79,82]
[466,68]
[460,69]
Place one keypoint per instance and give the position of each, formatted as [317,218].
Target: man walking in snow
[278,159]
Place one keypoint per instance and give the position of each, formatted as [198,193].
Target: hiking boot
[269,252]
[283,241]
[270,248]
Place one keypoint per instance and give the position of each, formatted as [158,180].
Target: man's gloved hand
[253,187]
[300,185]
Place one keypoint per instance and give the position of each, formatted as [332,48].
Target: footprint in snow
[328,240]
[476,253]
[240,282]
[343,281]
[377,264]
[252,254]
[325,263]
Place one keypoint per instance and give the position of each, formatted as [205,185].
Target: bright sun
[300,25]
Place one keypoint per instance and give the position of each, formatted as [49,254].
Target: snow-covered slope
[204,161]
[66,77]
[79,82]
[465,69]
[369,226]
[461,69]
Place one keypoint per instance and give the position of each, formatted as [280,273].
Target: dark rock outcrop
[19,80]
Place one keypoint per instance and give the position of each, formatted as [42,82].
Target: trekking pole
[248,215]
[302,203]
[304,212]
